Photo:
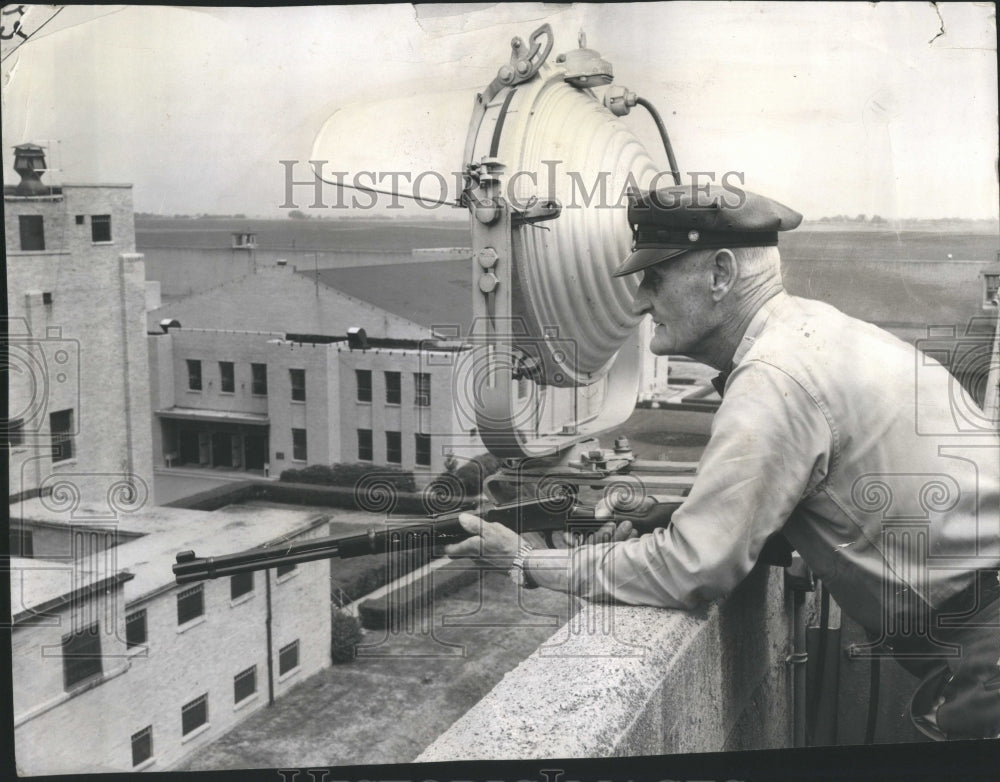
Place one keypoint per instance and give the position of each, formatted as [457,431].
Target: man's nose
[640,302]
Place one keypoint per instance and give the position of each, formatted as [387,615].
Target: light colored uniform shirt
[866,454]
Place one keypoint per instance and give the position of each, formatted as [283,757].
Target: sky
[832,108]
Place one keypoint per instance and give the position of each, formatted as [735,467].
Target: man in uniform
[831,434]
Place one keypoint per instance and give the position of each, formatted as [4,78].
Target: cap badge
[693,236]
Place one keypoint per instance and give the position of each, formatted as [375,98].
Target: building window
[364,381]
[283,570]
[190,604]
[81,652]
[259,373]
[194,714]
[423,447]
[81,219]
[240,584]
[135,628]
[227,377]
[422,385]
[299,445]
[394,447]
[245,684]
[364,445]
[100,228]
[32,232]
[288,657]
[298,377]
[61,428]
[21,543]
[393,388]
[15,432]
[194,374]
[142,745]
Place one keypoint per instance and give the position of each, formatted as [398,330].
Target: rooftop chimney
[29,162]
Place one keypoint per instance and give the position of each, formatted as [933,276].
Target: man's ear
[725,272]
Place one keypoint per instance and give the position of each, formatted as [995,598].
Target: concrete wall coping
[622,680]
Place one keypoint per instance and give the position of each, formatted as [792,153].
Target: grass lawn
[389,708]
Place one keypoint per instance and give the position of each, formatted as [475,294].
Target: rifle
[434,532]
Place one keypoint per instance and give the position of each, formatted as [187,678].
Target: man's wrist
[519,570]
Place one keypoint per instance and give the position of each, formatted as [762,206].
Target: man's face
[675,294]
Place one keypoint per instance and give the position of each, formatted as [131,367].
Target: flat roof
[166,531]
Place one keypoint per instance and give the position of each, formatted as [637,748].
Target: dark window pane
[190,604]
[299,449]
[135,628]
[283,570]
[32,232]
[393,447]
[227,377]
[259,372]
[100,228]
[245,684]
[194,374]
[364,380]
[423,448]
[142,745]
[81,655]
[393,388]
[288,657]
[240,584]
[194,714]
[298,377]
[365,445]
[422,389]
[61,429]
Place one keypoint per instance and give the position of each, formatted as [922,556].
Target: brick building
[78,386]
[117,668]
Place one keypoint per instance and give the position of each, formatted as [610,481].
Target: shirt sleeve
[770,446]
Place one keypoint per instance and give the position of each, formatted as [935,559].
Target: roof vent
[357,339]
[169,323]
[29,162]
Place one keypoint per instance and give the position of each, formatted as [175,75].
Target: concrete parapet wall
[622,680]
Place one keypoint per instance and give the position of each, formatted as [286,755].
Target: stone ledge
[622,680]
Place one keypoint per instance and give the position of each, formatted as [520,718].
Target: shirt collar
[756,326]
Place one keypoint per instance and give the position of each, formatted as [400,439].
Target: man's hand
[490,541]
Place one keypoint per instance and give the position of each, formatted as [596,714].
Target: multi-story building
[261,374]
[117,668]
[78,385]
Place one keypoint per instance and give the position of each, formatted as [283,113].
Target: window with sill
[299,445]
[190,604]
[245,684]
[194,374]
[32,230]
[194,714]
[283,570]
[100,228]
[142,745]
[365,445]
[81,651]
[394,447]
[240,584]
[422,389]
[227,377]
[259,379]
[422,443]
[363,377]
[298,380]
[288,657]
[135,628]
[393,388]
